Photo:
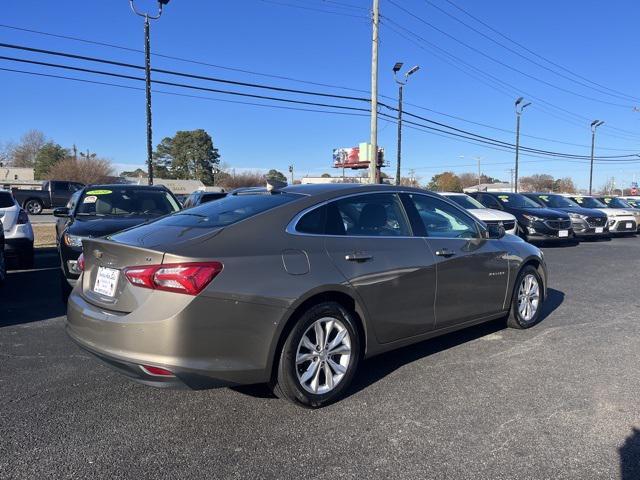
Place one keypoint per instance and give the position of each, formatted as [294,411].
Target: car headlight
[72,240]
[533,218]
[577,216]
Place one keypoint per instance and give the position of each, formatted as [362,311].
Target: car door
[59,193]
[370,242]
[472,271]
[62,223]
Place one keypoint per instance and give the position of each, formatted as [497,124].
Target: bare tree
[539,182]
[245,179]
[24,154]
[91,170]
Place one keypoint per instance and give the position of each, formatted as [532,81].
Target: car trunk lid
[104,283]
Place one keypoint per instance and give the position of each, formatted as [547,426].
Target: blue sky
[597,40]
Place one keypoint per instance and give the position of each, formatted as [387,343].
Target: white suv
[18,234]
[487,215]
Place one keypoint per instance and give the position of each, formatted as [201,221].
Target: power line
[293,5]
[181,59]
[164,92]
[536,54]
[501,84]
[465,134]
[538,64]
[182,85]
[505,65]
[180,74]
[340,87]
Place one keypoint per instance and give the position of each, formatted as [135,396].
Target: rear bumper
[205,342]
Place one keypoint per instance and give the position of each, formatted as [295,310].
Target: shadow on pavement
[376,368]
[32,295]
[630,457]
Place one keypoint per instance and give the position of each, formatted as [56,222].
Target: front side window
[443,220]
[372,215]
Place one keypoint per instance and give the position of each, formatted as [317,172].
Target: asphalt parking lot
[557,401]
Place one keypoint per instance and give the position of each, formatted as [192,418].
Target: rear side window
[313,222]
[6,200]
[227,211]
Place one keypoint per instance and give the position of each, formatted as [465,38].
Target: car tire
[25,259]
[33,206]
[321,378]
[65,288]
[528,293]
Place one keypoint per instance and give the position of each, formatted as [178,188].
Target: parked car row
[552,216]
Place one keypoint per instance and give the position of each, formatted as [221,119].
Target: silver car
[295,286]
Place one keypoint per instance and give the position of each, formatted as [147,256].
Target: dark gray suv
[293,287]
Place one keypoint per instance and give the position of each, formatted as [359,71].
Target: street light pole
[595,124]
[147,71]
[519,108]
[401,83]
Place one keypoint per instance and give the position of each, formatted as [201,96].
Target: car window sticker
[99,192]
[90,199]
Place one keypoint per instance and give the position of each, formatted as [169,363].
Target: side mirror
[495,232]
[61,212]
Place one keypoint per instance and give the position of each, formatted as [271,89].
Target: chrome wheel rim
[33,208]
[323,355]
[528,297]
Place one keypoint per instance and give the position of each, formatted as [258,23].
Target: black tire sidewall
[515,314]
[287,378]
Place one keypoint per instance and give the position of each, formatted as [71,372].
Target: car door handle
[358,257]
[445,252]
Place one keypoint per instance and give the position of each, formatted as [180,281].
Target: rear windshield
[227,211]
[588,202]
[6,200]
[126,201]
[466,201]
[208,197]
[557,201]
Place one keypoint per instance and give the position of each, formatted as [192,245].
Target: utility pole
[291,172]
[511,170]
[594,125]
[147,71]
[519,108]
[401,83]
[479,174]
[373,155]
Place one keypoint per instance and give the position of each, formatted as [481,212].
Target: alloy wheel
[323,355]
[528,297]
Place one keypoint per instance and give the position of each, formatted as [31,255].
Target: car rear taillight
[187,278]
[81,262]
[23,218]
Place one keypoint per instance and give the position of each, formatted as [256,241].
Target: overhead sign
[350,157]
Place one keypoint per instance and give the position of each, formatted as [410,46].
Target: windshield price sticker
[544,197]
[504,198]
[99,192]
[90,199]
